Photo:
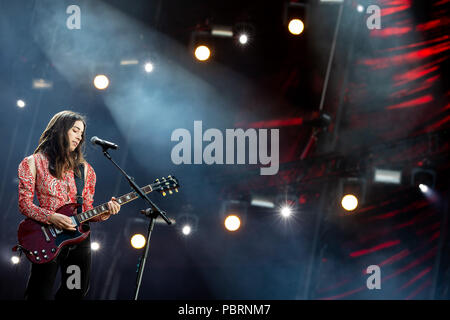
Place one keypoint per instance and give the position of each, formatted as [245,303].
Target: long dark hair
[54,143]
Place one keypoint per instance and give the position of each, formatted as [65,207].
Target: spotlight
[42,84]
[424,178]
[262,200]
[222,31]
[244,32]
[295,17]
[360,8]
[148,67]
[286,202]
[351,192]
[21,103]
[186,230]
[95,246]
[286,212]
[296,26]
[234,213]
[202,52]
[387,176]
[423,187]
[127,62]
[232,223]
[187,221]
[15,259]
[349,202]
[101,81]
[201,42]
[243,39]
[138,241]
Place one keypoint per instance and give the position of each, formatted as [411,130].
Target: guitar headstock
[164,185]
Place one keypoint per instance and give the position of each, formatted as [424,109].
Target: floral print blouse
[52,193]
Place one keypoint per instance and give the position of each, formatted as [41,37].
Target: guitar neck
[103,208]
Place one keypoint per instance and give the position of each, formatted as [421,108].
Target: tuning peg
[169,176]
[164,193]
[176,189]
[157,180]
[170,191]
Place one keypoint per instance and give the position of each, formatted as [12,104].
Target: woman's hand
[113,206]
[62,222]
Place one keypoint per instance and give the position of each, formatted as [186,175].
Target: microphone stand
[152,213]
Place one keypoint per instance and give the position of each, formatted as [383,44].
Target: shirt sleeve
[26,195]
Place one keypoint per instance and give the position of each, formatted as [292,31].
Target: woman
[50,174]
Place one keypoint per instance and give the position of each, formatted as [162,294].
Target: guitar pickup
[45,234]
[52,231]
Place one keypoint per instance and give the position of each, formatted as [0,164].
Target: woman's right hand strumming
[62,222]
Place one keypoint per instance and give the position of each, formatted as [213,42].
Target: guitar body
[42,243]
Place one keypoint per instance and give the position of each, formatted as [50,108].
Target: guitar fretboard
[98,210]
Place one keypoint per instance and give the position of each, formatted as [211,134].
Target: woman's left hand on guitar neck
[114,208]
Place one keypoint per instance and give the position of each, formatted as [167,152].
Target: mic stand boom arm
[138,190]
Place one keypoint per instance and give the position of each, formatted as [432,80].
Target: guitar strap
[79,181]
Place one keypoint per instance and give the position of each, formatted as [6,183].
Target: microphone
[103,143]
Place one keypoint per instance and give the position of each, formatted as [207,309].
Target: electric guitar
[42,243]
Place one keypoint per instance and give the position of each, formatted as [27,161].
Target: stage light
[222,31]
[127,62]
[232,223]
[95,246]
[286,202]
[234,212]
[424,178]
[138,241]
[351,193]
[286,212]
[244,31]
[202,53]
[423,187]
[360,8]
[21,103]
[202,42]
[42,84]
[295,16]
[387,176]
[349,202]
[148,67]
[296,26]
[243,38]
[187,220]
[264,201]
[101,81]
[15,259]
[186,230]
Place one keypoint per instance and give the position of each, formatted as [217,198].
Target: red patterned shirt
[52,193]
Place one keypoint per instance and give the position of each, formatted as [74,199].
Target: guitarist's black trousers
[74,263]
